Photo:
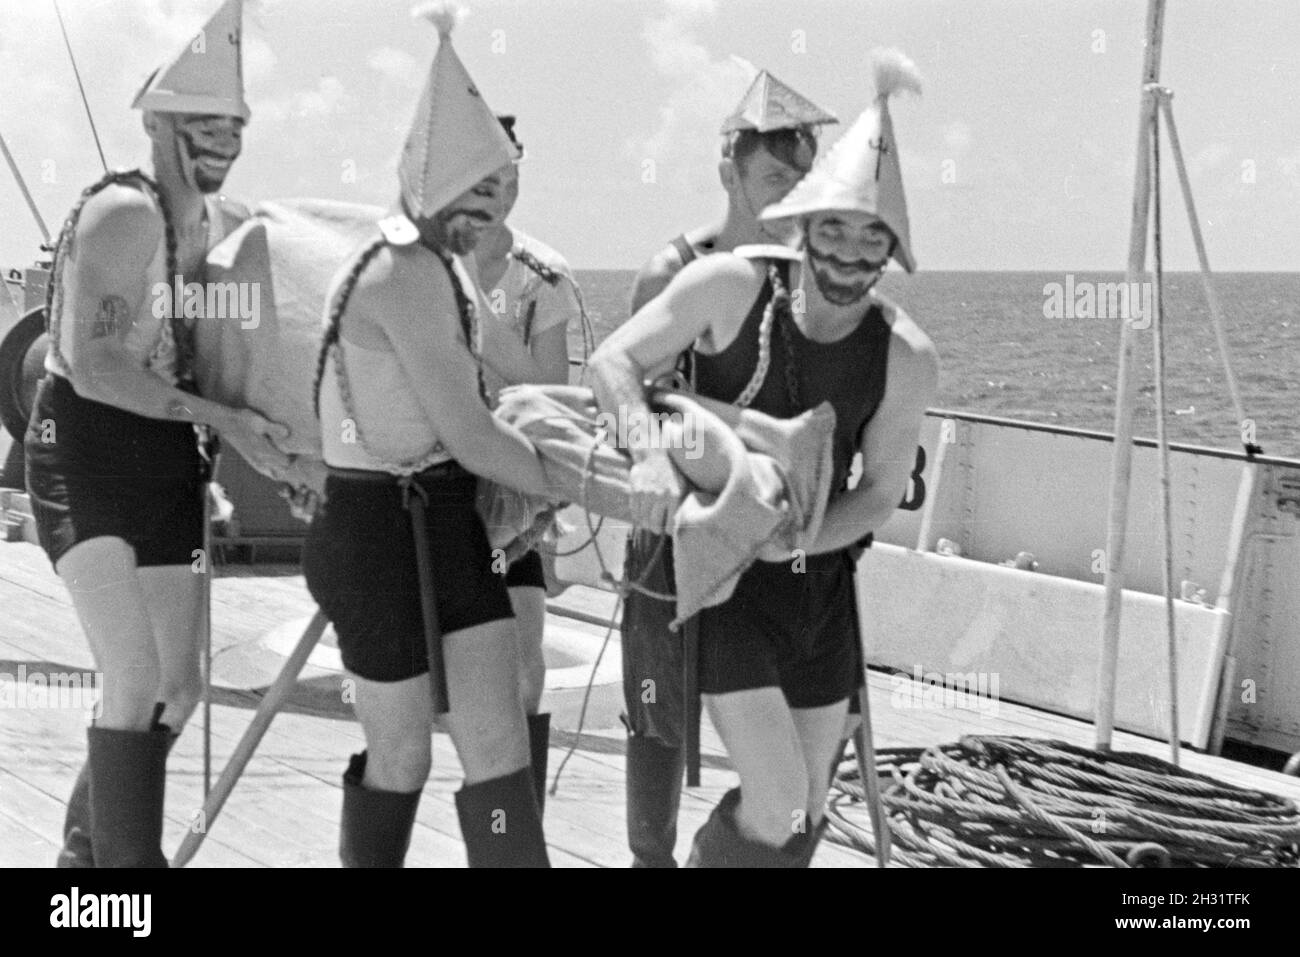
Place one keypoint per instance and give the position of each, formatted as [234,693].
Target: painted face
[206,148]
[847,252]
[460,224]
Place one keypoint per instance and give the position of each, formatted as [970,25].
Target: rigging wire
[77,73]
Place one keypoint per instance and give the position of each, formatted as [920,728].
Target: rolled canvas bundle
[291,250]
[769,502]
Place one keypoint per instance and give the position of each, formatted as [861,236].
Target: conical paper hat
[771,105]
[455,140]
[207,76]
[861,171]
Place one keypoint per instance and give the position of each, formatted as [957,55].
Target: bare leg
[529,605]
[819,732]
[106,590]
[763,742]
[486,721]
[396,717]
[174,598]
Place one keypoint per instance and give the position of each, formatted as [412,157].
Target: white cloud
[957,138]
[703,89]
[1208,158]
[692,8]
[396,66]
[323,101]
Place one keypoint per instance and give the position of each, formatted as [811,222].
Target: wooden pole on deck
[1122,452]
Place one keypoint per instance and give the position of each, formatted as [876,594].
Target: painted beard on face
[834,290]
[459,230]
[204,156]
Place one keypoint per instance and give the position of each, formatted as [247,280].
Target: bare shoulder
[724,275]
[911,351]
[120,221]
[654,276]
[398,285]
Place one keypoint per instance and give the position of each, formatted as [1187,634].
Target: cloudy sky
[1019,155]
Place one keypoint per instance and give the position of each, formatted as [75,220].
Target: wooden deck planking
[285,810]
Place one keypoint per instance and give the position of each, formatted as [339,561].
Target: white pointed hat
[455,140]
[207,76]
[770,105]
[861,171]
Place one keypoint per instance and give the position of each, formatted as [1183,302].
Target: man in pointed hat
[398,558]
[533,301]
[769,143]
[115,472]
[779,660]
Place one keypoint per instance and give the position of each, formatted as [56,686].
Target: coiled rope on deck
[991,801]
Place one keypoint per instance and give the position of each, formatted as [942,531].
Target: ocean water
[1001,356]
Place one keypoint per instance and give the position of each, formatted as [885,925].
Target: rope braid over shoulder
[181,337]
[464,311]
[548,275]
[776,312]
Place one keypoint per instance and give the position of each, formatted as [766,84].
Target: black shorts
[359,562]
[795,630]
[654,690]
[95,470]
[526,572]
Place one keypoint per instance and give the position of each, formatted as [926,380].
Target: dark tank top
[848,373]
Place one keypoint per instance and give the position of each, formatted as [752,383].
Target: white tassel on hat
[455,139]
[208,74]
[861,172]
[894,72]
[443,14]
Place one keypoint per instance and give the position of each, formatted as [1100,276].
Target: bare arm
[439,365]
[707,293]
[544,360]
[116,239]
[654,278]
[888,443]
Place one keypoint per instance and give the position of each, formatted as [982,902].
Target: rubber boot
[804,846]
[77,850]
[376,827]
[654,795]
[128,780]
[539,749]
[500,822]
[719,843]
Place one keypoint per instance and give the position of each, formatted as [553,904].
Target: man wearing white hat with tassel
[780,659]
[398,557]
[114,469]
[769,143]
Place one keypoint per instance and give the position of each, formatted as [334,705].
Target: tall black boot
[500,822]
[128,783]
[719,843]
[539,750]
[78,850]
[376,826]
[654,795]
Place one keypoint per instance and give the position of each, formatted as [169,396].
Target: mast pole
[22,186]
[1122,451]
